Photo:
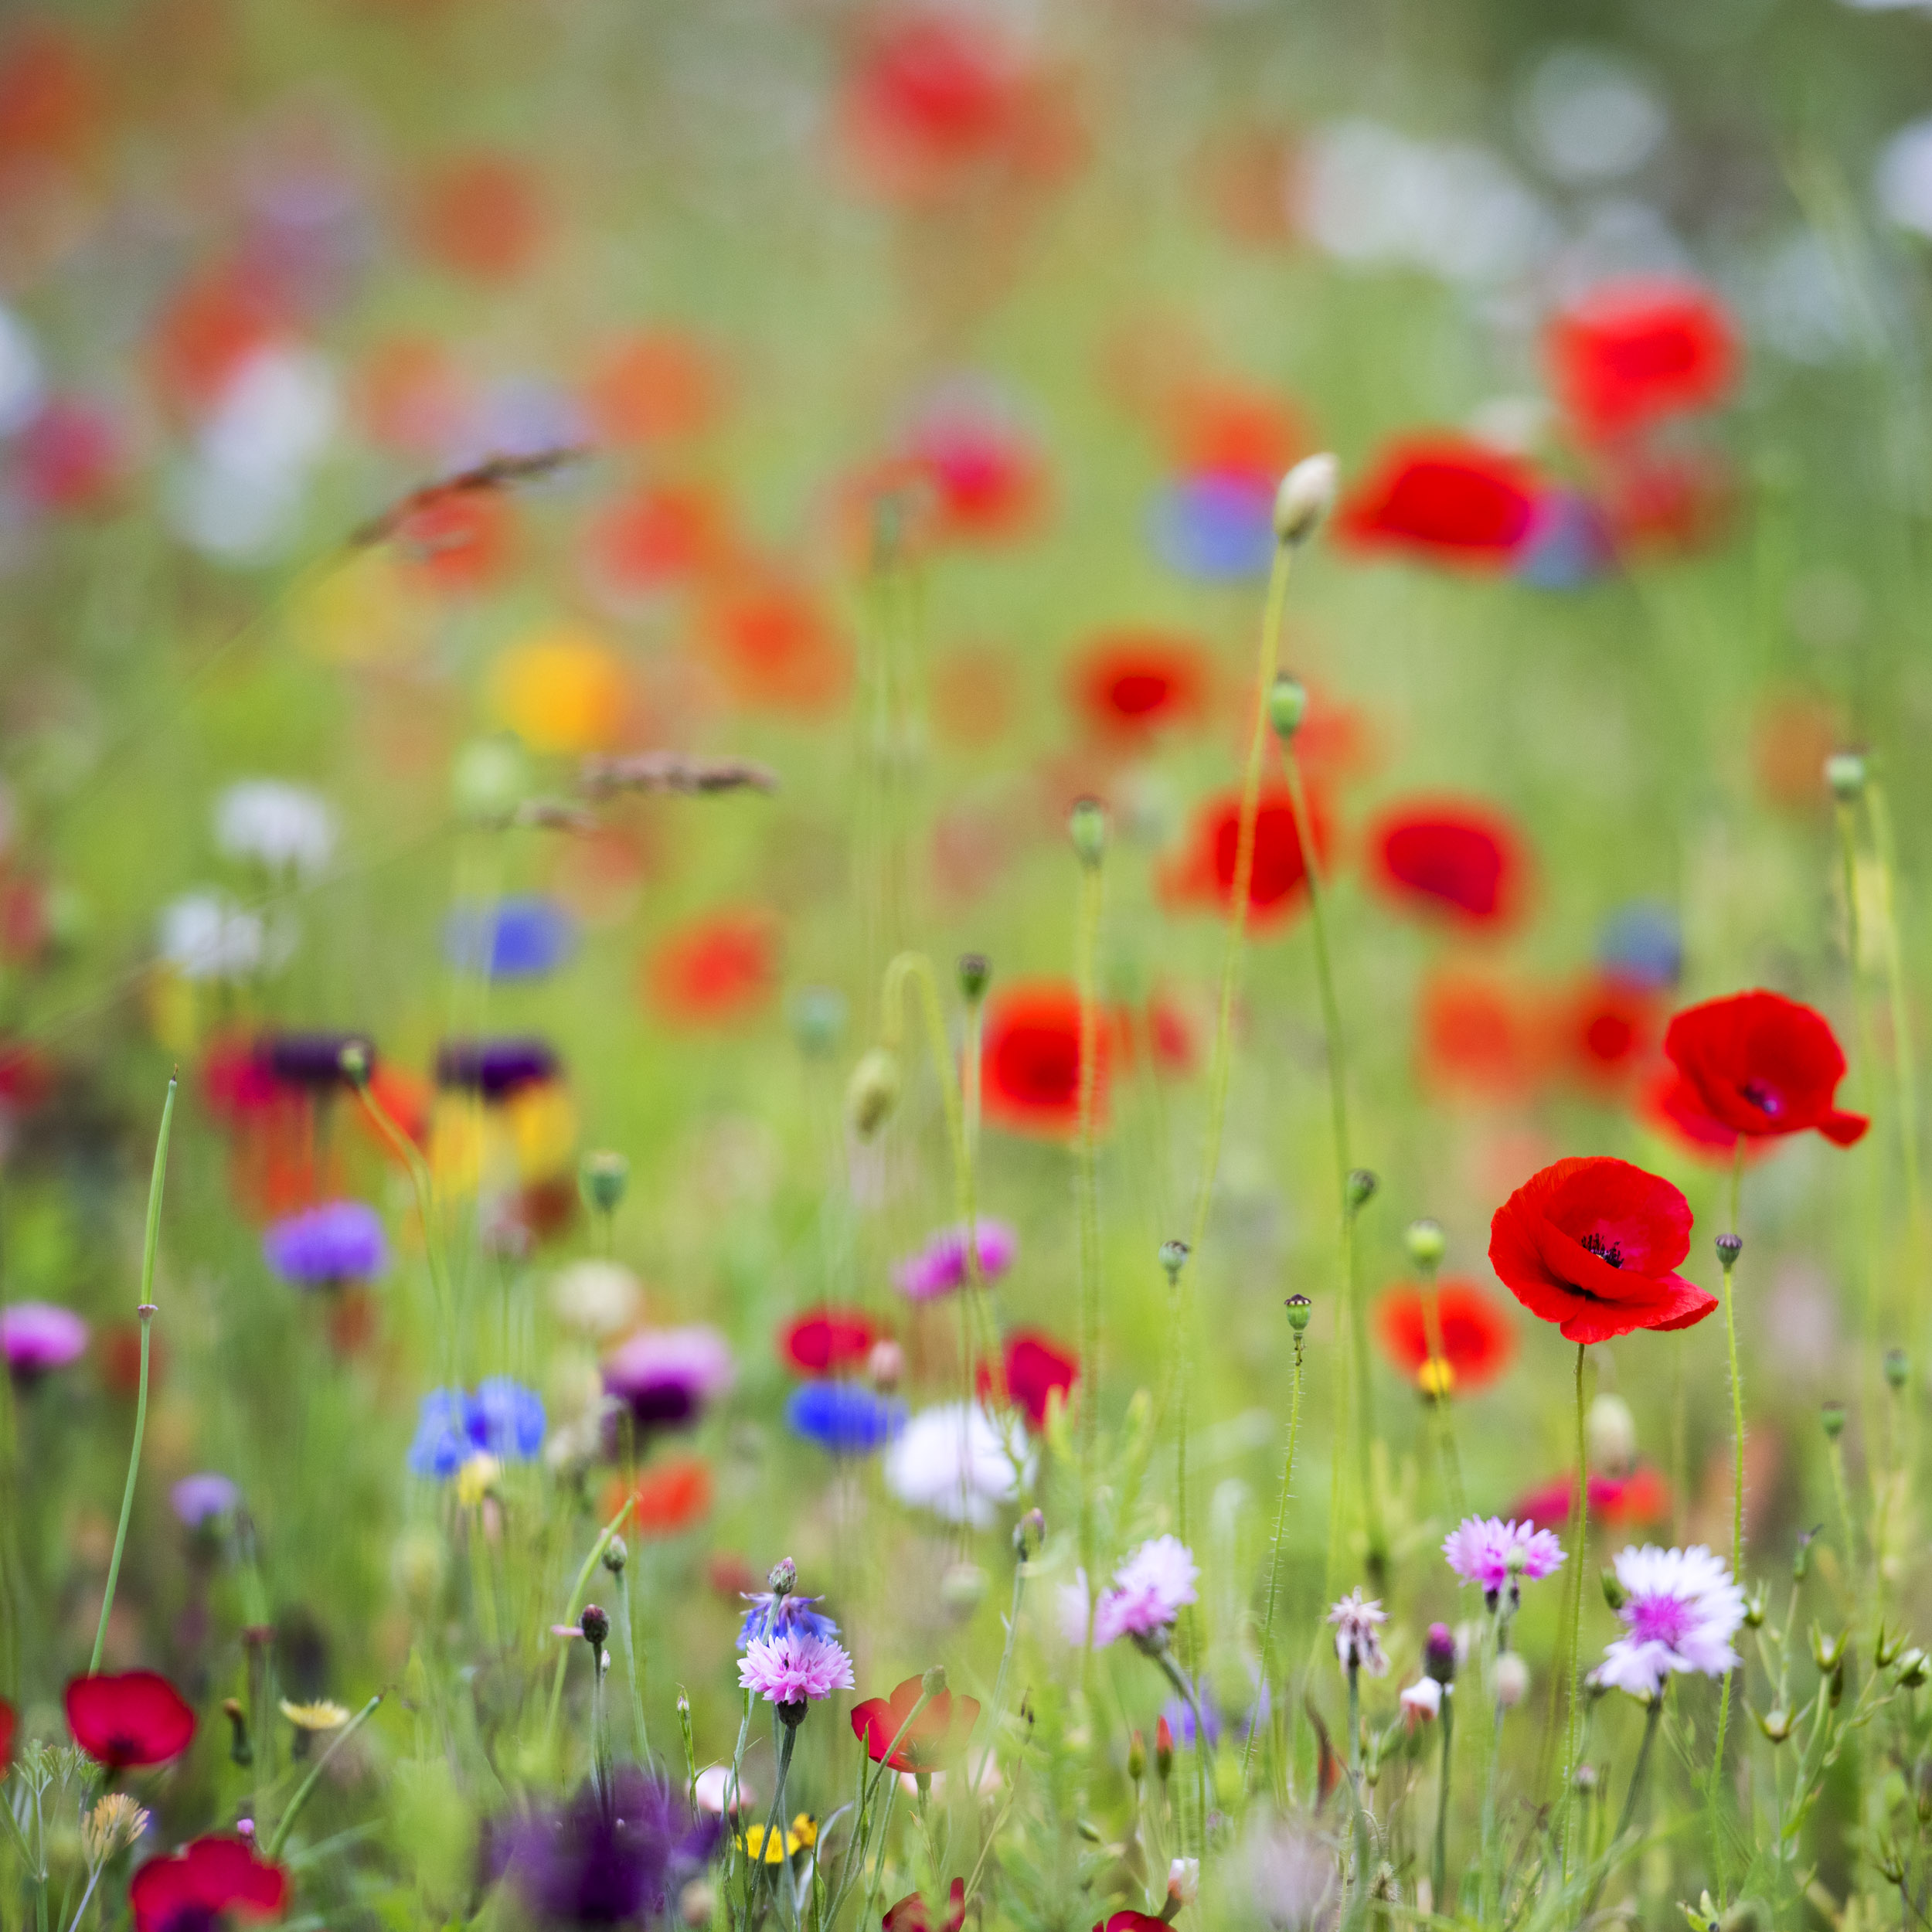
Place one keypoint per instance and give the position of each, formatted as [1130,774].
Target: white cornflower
[281,827]
[1680,1609]
[953,1460]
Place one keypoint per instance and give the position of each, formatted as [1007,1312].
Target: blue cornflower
[1216,524]
[771,1615]
[1643,943]
[322,1247]
[503,1419]
[1568,545]
[844,1417]
[520,938]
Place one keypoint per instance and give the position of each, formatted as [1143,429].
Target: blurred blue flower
[1216,526]
[199,1500]
[1568,545]
[322,1247]
[503,1419]
[520,938]
[843,1417]
[1641,943]
[770,1614]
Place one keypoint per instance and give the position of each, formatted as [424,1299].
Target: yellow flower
[476,1479]
[773,1849]
[564,690]
[804,1831]
[321,1715]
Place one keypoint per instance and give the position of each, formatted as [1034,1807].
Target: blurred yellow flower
[322,1716]
[476,1479]
[564,690]
[780,1846]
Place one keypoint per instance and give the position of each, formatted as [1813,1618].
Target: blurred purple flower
[668,1377]
[497,1069]
[311,1059]
[37,1336]
[939,1267]
[199,1500]
[322,1247]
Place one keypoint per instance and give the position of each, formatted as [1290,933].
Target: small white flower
[281,827]
[714,1790]
[597,1298]
[205,935]
[1184,1879]
[1511,1682]
[1423,1698]
[953,1460]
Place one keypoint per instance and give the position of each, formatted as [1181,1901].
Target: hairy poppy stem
[1086,935]
[146,1311]
[295,1804]
[1274,1559]
[1727,1256]
[1573,1724]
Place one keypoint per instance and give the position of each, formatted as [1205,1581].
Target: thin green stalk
[1086,943]
[1573,1722]
[997,1708]
[147,1312]
[1737,1518]
[308,1784]
[1651,1718]
[787,1740]
[641,1735]
[1274,1557]
[1440,1394]
[572,1606]
[1908,1105]
[1355,1786]
[1439,1869]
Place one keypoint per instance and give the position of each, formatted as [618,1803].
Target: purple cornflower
[312,1060]
[793,1666]
[1493,1553]
[617,1857]
[667,1377]
[1356,1645]
[322,1247]
[939,1267]
[198,1501]
[1149,1590]
[1681,1608]
[496,1069]
[38,1336]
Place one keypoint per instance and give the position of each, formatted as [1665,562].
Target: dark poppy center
[1610,1251]
[1766,1100]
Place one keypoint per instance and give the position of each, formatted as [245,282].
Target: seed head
[1173,1258]
[1087,826]
[603,1176]
[1427,1243]
[1831,1417]
[975,970]
[1845,773]
[1300,1308]
[1362,1183]
[1287,705]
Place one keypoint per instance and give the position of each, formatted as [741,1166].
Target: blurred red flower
[1450,857]
[482,215]
[658,385]
[6,1735]
[1478,1341]
[210,328]
[777,649]
[672,1496]
[1030,1064]
[912,1914]
[1204,870]
[987,471]
[938,1730]
[1128,684]
[1672,500]
[136,1717]
[827,1340]
[1035,1366]
[655,537]
[199,1887]
[49,98]
[458,541]
[1764,1065]
[1617,1502]
[1218,428]
[1633,352]
[118,1349]
[71,455]
[1476,1036]
[716,971]
[1445,497]
[1130,1920]
[1591,1245]
[1605,1029]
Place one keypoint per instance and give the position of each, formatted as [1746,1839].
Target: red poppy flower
[458,541]
[911,1914]
[482,216]
[938,1730]
[136,1718]
[1671,1106]
[1030,1060]
[658,385]
[1477,1338]
[827,1340]
[6,1735]
[1764,1065]
[986,470]
[1631,353]
[1617,1502]
[1592,1244]
[1475,1036]
[1450,857]
[1224,429]
[1443,498]
[1036,1366]
[1278,883]
[1131,1921]
[49,95]
[672,1496]
[1605,1029]
[776,650]
[195,1888]
[212,325]
[659,537]
[716,972]
[1128,684]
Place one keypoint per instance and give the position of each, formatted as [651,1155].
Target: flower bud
[782,1579]
[1087,826]
[1827,1652]
[602,1177]
[1287,705]
[1173,1258]
[595,1625]
[1300,1308]
[1136,1756]
[1439,1653]
[1885,1856]
[240,1751]
[1776,1724]
[1362,1183]
[975,970]
[872,1091]
[1886,1647]
[1029,1533]
[1898,1368]
[1304,496]
[1163,1750]
[615,1556]
[1610,1431]
[1831,1417]
[1184,1881]
[1427,1243]
[1614,1594]
[1729,1247]
[1756,1598]
[1511,1680]
[886,1365]
[818,1017]
[1913,1667]
[1845,773]
[354,1061]
[963,1588]
[933,1682]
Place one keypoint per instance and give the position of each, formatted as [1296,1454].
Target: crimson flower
[717,972]
[1762,1065]
[190,1891]
[1128,684]
[1443,498]
[136,1718]
[940,1730]
[911,1914]
[1633,352]
[1036,1366]
[1475,1036]
[1606,1027]
[1279,879]
[1450,858]
[1591,1244]
[1618,1503]
[1476,1340]
[1131,1921]
[7,1720]
[827,1340]
[1030,1064]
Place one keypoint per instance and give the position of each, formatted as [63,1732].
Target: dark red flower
[717,972]
[911,1914]
[1450,857]
[1670,1104]
[1617,1502]
[6,1735]
[1278,881]
[1132,1921]
[1036,1366]
[827,1340]
[1445,497]
[1633,352]
[940,1730]
[1477,1339]
[1762,1065]
[1592,1244]
[985,469]
[1030,1059]
[136,1718]
[190,1891]
[1128,684]
[1605,1028]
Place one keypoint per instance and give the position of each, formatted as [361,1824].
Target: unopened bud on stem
[1173,1259]
[975,969]
[872,1091]
[1427,1243]
[1305,496]
[1086,827]
[1287,705]
[1845,773]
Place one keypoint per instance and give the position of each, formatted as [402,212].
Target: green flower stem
[1274,1559]
[146,1311]
[1623,1822]
[308,1784]
[572,1607]
[1886,852]
[1086,935]
[1579,1550]
[1737,1525]
[997,1708]
[1440,1394]
[1487,1877]
[1439,1869]
[784,1743]
[641,1736]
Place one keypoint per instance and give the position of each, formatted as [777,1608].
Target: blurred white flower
[22,388]
[283,827]
[1904,181]
[597,1298]
[953,1460]
[1590,116]
[205,935]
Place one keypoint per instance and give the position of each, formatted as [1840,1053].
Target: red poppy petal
[1695,1304]
[1843,1129]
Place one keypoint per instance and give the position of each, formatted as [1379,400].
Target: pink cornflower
[795,1666]
[939,1267]
[1488,1551]
[1681,1608]
[1149,1591]
[1356,1645]
[37,1336]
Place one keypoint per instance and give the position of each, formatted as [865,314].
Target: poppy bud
[1163,1750]
[1136,1756]
[1427,1243]
[1087,826]
[1300,1308]
[1832,1417]
[1304,496]
[1776,1724]
[1362,1183]
[354,1061]
[1845,773]
[783,1577]
[1611,1432]
[933,1682]
[1173,1258]
[603,1177]
[1728,1247]
[886,1365]
[963,1588]
[1897,1368]
[1439,1653]
[240,1751]
[1028,1534]
[818,1019]
[1614,1594]
[595,1625]
[1511,1680]
[872,1092]
[1287,705]
[975,970]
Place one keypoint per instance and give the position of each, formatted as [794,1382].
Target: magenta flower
[1149,1591]
[1488,1551]
[1681,1610]
[38,1336]
[939,1267]
[795,1666]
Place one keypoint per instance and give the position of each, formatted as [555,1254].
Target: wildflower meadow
[965,963]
